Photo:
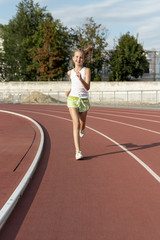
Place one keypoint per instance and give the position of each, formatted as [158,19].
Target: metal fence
[112,98]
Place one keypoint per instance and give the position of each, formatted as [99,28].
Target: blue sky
[140,17]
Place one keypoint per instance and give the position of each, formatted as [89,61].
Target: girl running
[77,101]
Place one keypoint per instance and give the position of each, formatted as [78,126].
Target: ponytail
[88,50]
[85,51]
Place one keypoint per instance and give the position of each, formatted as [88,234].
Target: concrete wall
[110,93]
[19,87]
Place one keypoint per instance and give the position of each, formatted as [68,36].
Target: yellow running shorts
[82,104]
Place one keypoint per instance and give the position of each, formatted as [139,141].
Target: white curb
[13,199]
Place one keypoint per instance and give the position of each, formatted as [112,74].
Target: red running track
[19,142]
[113,194]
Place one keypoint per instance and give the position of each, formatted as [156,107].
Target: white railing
[113,98]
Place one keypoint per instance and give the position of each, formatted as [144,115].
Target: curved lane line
[130,113]
[127,124]
[131,154]
[13,199]
[121,116]
[114,121]
[145,166]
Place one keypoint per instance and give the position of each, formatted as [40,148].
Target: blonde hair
[85,51]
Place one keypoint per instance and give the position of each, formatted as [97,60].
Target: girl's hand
[78,75]
[67,93]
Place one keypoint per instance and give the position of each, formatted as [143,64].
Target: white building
[1,50]
[153,58]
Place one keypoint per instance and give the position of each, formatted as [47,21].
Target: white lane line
[130,153]
[115,115]
[13,199]
[130,113]
[145,166]
[114,121]
[104,119]
[95,112]
[126,124]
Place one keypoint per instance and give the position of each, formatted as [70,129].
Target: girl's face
[78,58]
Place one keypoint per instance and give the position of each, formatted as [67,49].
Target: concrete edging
[13,199]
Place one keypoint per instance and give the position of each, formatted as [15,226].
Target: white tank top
[77,88]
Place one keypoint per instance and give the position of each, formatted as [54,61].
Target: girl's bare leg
[82,119]
[75,118]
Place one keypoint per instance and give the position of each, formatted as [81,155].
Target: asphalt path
[112,194]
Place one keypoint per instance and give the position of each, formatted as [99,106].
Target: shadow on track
[129,146]
[12,226]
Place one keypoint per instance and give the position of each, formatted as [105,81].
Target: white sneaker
[81,133]
[79,155]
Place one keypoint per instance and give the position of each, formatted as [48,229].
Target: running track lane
[20,152]
[108,195]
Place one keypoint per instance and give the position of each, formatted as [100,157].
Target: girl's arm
[68,92]
[86,83]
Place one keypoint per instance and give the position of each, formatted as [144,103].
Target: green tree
[50,53]
[128,59]
[93,34]
[17,36]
